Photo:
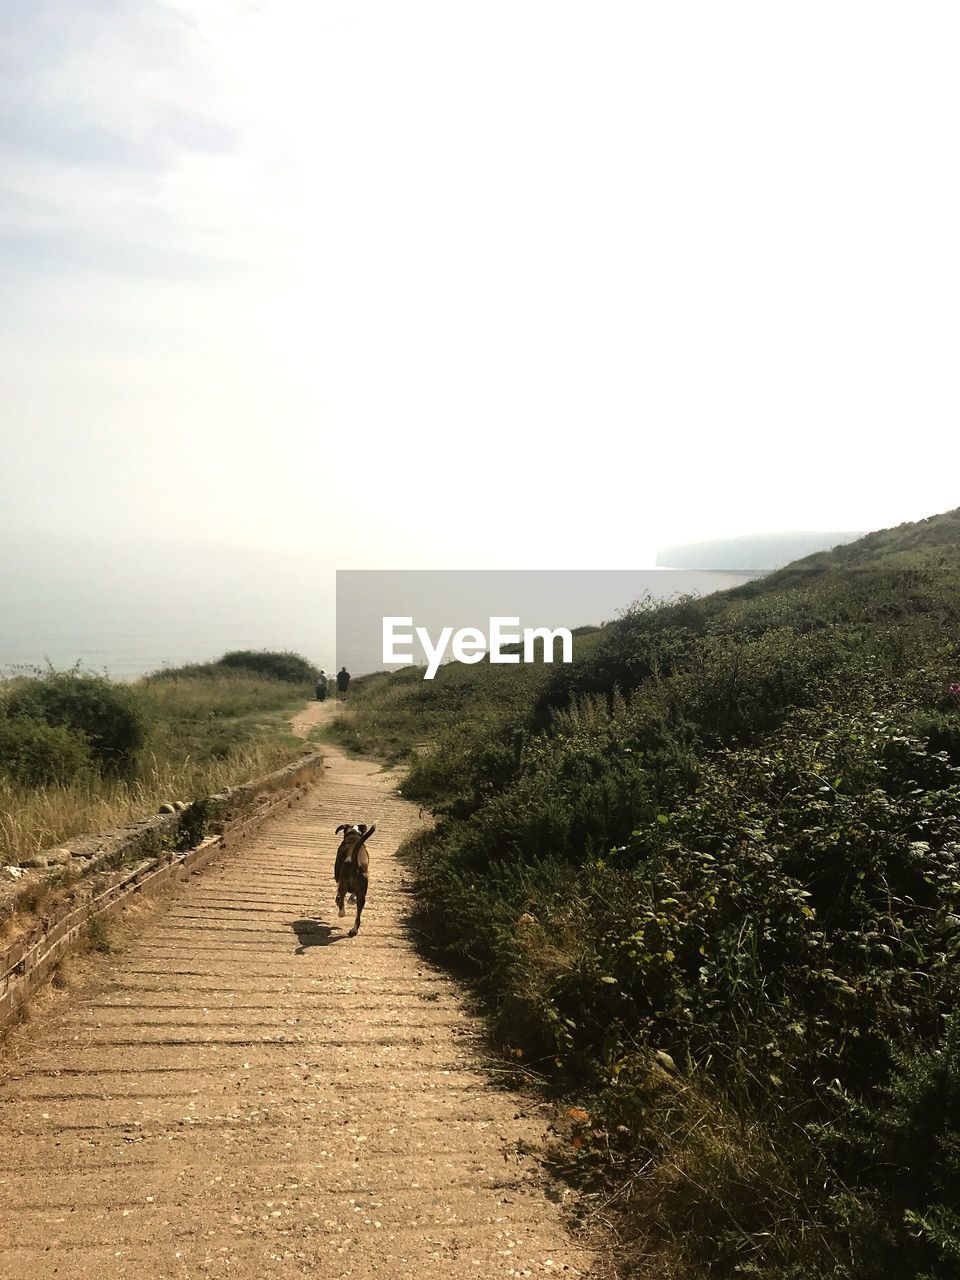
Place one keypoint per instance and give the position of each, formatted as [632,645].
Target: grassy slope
[704,872]
[208,729]
[934,542]
[930,543]
[392,715]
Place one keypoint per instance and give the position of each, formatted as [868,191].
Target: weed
[98,936]
[194,823]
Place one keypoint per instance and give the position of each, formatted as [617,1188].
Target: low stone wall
[130,861]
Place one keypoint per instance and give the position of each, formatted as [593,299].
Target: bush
[903,1152]
[291,667]
[193,824]
[35,754]
[107,716]
[942,732]
[789,918]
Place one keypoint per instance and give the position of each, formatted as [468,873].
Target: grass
[207,729]
[98,937]
[394,715]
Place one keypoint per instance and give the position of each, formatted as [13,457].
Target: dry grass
[229,693]
[208,730]
[31,820]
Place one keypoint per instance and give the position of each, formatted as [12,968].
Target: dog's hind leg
[339,902]
[361,899]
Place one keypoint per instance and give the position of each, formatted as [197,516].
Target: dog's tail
[366,836]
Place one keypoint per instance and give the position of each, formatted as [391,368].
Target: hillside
[707,878]
[930,543]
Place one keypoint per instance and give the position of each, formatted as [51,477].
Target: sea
[126,615]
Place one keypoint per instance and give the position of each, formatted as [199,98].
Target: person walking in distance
[343,682]
[321,687]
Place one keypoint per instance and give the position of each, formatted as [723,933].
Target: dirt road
[244,1091]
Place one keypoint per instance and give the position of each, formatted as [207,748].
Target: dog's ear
[344,826]
[361,827]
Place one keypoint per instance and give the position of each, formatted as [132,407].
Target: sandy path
[243,1091]
[314,713]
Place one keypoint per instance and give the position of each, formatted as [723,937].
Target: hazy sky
[441,284]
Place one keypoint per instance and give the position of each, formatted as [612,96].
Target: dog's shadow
[315,933]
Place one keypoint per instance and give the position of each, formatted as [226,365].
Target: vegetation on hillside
[104,719]
[79,752]
[281,666]
[707,878]
[395,714]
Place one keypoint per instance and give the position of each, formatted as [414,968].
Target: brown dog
[352,867]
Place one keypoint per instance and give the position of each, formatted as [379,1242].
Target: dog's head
[352,829]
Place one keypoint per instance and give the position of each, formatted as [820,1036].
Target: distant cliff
[758,552]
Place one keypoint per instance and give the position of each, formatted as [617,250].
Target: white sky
[447,284]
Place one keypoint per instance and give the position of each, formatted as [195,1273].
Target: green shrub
[98,936]
[107,716]
[290,667]
[790,917]
[194,821]
[903,1152]
[942,732]
[35,754]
